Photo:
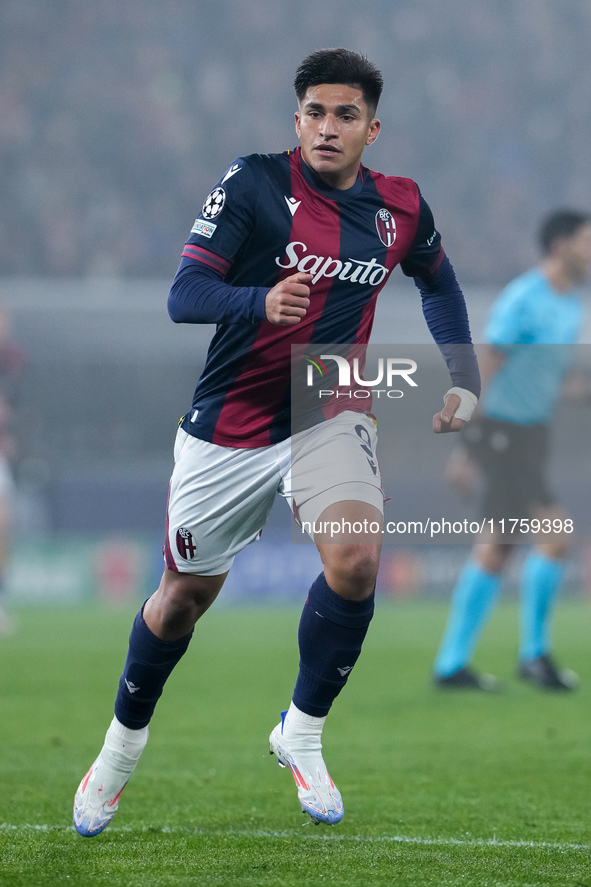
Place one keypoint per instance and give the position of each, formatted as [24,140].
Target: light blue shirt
[535,327]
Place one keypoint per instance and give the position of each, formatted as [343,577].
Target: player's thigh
[513,470]
[219,501]
[336,462]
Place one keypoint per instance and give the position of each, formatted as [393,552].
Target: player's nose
[328,127]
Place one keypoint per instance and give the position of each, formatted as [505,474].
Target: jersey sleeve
[426,252]
[443,303]
[199,293]
[227,215]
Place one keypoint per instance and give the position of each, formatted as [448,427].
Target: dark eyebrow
[340,109]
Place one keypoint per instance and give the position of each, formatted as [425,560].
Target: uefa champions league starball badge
[214,203]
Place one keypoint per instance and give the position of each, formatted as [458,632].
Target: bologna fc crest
[185,543]
[386,227]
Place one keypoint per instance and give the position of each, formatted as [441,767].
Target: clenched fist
[288,301]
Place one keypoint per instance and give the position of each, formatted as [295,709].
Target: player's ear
[374,131]
[297,123]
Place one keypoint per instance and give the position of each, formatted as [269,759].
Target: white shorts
[220,497]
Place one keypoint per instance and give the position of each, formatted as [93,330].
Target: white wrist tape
[467,405]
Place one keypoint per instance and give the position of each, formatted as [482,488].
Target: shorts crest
[185,543]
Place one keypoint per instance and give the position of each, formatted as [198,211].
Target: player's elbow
[175,307]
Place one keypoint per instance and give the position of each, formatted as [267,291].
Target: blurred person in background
[507,443]
[7,622]
[11,367]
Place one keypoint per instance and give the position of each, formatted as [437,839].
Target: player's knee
[555,550]
[353,569]
[493,557]
[185,596]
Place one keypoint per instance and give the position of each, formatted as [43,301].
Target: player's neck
[342,181]
[558,276]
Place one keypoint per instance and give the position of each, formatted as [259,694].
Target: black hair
[562,223]
[340,66]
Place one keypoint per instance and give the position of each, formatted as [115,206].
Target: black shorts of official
[513,462]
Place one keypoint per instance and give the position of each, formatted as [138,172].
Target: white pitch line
[313,835]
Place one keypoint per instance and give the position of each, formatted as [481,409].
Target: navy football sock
[149,663]
[332,630]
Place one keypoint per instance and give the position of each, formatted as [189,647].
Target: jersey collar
[337,194]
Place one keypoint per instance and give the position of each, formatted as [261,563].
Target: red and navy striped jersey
[268,217]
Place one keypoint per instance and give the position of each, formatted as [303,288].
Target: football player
[530,333]
[289,249]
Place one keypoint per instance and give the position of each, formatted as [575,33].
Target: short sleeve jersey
[268,217]
[535,327]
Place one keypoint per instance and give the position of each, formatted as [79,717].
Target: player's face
[334,125]
[577,253]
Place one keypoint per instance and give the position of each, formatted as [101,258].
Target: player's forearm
[444,306]
[196,297]
[463,367]
[444,309]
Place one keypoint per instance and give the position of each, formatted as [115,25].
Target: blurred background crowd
[117,118]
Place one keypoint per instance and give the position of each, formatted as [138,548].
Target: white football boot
[97,798]
[296,742]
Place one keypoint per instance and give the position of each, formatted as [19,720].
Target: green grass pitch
[439,788]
